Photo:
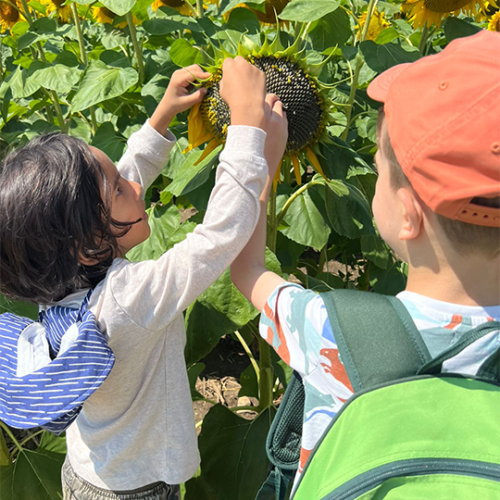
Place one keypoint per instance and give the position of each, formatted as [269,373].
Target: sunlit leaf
[101,82]
[307,225]
[119,7]
[306,11]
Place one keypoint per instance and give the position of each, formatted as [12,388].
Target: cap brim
[379,88]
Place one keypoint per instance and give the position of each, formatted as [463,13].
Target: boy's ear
[412,215]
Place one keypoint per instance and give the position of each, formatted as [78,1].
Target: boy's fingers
[271,99]
[196,96]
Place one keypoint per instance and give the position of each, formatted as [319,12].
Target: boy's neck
[471,281]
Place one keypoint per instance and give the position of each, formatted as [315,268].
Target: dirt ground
[219,380]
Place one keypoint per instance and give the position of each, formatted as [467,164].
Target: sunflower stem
[12,437]
[51,93]
[249,353]
[359,62]
[272,226]
[423,39]
[369,13]
[78,27]
[199,8]
[135,43]
[266,375]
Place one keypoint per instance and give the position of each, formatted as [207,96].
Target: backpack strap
[436,365]
[377,339]
[283,442]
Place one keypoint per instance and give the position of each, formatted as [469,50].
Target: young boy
[134,437]
[437,204]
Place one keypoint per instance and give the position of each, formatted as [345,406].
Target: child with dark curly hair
[69,216]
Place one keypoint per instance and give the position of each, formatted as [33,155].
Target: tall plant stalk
[358,65]
[51,93]
[83,55]
[137,48]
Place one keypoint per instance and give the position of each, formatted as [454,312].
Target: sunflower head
[63,11]
[9,14]
[269,16]
[289,78]
[180,6]
[494,22]
[429,12]
[378,23]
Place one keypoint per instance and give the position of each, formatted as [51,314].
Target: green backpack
[409,432]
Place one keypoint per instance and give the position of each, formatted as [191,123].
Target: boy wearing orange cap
[437,205]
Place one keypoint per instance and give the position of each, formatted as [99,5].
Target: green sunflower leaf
[34,474]
[458,28]
[233,456]
[20,308]
[348,210]
[100,83]
[58,77]
[382,57]
[119,7]
[331,30]
[190,176]
[306,11]
[166,231]
[184,54]
[307,226]
[220,310]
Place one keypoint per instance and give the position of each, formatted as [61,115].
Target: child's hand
[178,96]
[243,87]
[276,128]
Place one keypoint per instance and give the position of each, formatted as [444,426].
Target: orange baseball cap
[443,118]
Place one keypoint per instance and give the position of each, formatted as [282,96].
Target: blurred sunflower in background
[433,12]
[105,16]
[494,22]
[63,11]
[378,23]
[180,6]
[10,15]
[304,99]
[273,9]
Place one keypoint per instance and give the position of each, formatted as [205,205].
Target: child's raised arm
[248,271]
[153,293]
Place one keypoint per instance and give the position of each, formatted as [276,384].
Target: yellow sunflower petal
[197,132]
[315,162]
[296,169]
[277,177]
[208,149]
[494,23]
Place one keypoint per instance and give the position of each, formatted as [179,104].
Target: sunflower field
[97,70]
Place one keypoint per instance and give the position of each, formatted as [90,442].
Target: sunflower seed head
[297,91]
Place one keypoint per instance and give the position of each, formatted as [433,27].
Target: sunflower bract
[297,91]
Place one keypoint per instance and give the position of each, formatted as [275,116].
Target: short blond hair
[466,238]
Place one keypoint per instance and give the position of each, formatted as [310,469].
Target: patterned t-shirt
[295,322]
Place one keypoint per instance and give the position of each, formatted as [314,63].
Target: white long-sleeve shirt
[138,427]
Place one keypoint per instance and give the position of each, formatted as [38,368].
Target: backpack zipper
[415,467]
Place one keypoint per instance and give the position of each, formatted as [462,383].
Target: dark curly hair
[52,212]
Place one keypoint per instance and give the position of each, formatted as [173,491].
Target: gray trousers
[75,488]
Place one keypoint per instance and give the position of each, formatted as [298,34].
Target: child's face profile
[126,204]
[385,205]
